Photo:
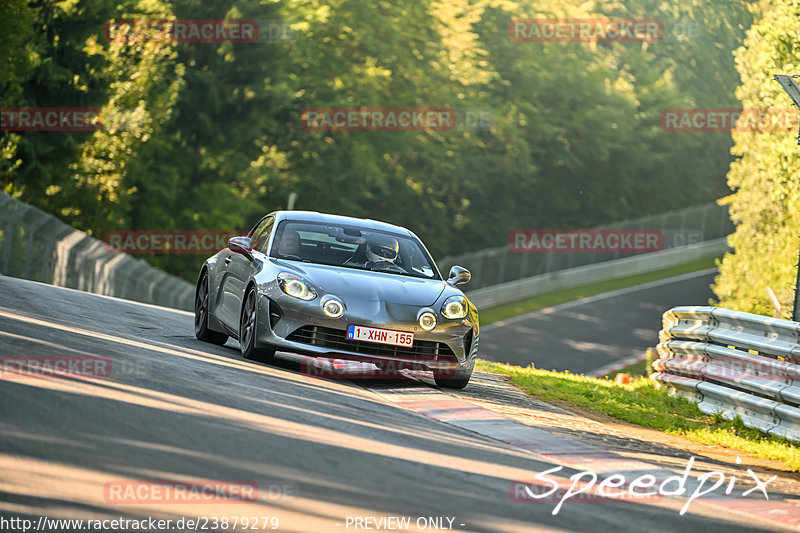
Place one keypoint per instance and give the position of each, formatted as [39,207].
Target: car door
[238,271]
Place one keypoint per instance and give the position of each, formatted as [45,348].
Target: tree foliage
[209,135]
[765,177]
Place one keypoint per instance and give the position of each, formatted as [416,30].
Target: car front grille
[336,339]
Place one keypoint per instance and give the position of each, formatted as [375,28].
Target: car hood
[351,283]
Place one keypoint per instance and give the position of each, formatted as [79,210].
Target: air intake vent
[275,313]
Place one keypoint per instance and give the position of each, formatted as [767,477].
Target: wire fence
[681,227]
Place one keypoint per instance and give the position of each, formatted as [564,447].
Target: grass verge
[550,299]
[639,402]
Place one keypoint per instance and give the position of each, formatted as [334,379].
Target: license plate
[381,336]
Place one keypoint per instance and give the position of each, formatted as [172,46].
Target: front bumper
[294,325]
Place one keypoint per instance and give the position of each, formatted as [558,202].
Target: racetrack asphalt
[587,334]
[321,452]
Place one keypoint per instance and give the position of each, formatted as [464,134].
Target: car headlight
[427,321]
[333,308]
[296,286]
[454,307]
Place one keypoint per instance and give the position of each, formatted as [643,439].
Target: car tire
[248,321]
[450,379]
[201,330]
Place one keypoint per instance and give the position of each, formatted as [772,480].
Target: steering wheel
[387,266]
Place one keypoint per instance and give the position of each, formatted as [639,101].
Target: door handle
[228,261]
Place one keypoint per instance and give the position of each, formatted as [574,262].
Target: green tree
[765,205]
[81,176]
[209,135]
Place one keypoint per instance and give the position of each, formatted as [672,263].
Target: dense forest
[209,135]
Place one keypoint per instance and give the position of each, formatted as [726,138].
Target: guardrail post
[9,237]
[523,271]
[161,287]
[129,289]
[186,299]
[724,218]
[796,307]
[502,268]
[28,255]
[703,224]
[50,268]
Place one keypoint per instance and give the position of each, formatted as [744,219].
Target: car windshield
[352,247]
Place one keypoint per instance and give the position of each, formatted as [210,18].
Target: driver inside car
[289,247]
[381,249]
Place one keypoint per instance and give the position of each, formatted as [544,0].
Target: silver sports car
[342,288]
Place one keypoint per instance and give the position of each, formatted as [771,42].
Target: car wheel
[452,379]
[247,330]
[201,330]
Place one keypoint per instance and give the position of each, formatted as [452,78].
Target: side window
[260,234]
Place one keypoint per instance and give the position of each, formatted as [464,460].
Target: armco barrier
[37,246]
[514,291]
[734,364]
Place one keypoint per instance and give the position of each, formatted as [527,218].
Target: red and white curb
[576,454]
[616,365]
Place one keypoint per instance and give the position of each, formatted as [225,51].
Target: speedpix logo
[588,486]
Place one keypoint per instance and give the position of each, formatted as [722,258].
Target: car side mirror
[458,275]
[241,245]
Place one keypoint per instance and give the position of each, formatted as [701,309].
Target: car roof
[315,216]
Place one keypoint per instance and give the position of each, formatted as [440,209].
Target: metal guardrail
[494,266]
[734,364]
[37,246]
[521,289]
